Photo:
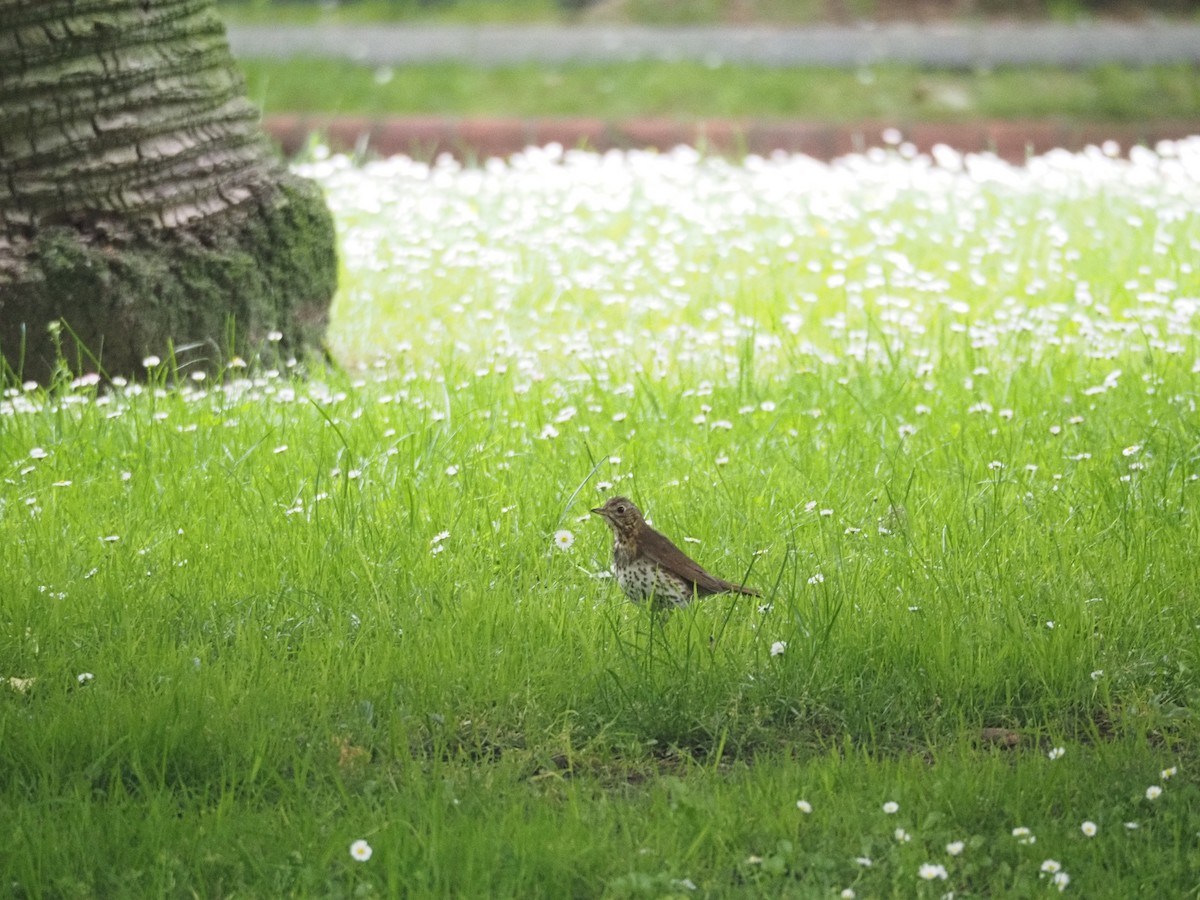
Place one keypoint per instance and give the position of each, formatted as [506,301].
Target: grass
[692,90]
[942,415]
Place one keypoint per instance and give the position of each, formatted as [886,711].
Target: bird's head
[621,515]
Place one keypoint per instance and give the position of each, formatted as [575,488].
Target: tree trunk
[140,205]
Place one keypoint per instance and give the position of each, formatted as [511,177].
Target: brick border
[424,137]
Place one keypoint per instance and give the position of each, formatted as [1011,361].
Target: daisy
[930,871]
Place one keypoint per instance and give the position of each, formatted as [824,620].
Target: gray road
[971,46]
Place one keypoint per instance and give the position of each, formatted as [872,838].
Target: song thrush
[647,565]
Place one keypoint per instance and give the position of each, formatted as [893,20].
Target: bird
[648,566]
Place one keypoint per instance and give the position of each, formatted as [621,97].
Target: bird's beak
[598,511]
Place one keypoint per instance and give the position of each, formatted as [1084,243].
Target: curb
[426,137]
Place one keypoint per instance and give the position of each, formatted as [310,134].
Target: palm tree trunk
[140,205]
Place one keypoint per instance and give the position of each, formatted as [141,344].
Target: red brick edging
[426,136]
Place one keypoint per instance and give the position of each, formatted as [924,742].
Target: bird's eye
[620,509]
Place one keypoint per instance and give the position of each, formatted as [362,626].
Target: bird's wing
[659,548]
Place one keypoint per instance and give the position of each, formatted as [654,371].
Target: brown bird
[647,565]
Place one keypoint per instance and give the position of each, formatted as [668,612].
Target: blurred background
[675,12]
[481,78]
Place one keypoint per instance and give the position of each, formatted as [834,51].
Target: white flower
[778,647]
[1153,792]
[816,579]
[282,448]
[847,894]
[84,677]
[1088,828]
[151,361]
[563,539]
[804,806]
[1167,773]
[1097,675]
[954,848]
[1061,880]
[1130,450]
[361,850]
[902,836]
[1050,866]
[38,453]
[274,336]
[930,871]
[1132,826]
[891,807]
[451,471]
[863,861]
[1024,836]
[439,537]
[1057,752]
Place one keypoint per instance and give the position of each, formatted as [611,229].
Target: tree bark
[140,205]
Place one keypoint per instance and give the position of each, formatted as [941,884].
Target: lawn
[691,90]
[941,412]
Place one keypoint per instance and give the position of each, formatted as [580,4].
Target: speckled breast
[643,578]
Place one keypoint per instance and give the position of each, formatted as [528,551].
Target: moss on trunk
[213,289]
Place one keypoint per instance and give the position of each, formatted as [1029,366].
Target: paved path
[946,45]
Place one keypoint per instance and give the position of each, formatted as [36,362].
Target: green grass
[692,90]
[328,609]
